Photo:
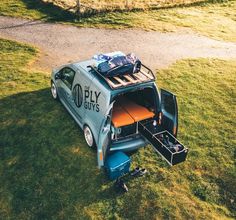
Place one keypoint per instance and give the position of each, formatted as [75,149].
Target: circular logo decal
[78,95]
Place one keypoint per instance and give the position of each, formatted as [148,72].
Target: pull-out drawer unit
[163,142]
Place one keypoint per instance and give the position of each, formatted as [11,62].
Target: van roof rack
[144,75]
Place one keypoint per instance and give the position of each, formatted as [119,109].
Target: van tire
[88,136]
[54,91]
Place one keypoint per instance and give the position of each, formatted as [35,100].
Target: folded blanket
[117,63]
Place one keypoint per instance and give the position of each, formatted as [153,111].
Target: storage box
[117,164]
[172,155]
[154,133]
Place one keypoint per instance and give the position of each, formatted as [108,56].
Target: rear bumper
[129,144]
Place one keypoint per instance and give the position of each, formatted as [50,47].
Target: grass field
[48,172]
[120,4]
[214,20]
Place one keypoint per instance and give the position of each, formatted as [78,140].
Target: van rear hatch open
[134,114]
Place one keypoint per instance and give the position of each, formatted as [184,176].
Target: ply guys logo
[91,98]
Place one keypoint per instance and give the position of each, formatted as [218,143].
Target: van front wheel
[54,90]
[88,136]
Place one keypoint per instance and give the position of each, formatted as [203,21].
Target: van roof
[117,82]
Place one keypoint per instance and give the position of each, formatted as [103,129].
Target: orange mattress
[126,112]
[137,112]
[120,117]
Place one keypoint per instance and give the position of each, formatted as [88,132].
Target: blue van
[120,112]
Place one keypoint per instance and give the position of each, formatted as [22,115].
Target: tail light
[174,130]
[100,156]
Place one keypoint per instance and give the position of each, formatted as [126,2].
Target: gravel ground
[65,43]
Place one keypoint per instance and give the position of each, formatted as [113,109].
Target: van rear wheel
[88,136]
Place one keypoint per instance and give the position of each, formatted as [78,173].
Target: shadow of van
[46,166]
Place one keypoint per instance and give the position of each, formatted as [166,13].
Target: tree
[126,3]
[78,7]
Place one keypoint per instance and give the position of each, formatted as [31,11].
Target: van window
[67,76]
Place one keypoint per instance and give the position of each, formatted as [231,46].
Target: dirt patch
[64,43]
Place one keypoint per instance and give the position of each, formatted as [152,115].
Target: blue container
[117,164]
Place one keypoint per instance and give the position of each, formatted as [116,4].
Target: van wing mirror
[57,75]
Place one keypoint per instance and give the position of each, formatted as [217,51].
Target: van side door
[104,140]
[66,78]
[81,93]
[169,110]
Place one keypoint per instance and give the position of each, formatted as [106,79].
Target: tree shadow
[46,167]
[51,11]
[27,23]
[227,189]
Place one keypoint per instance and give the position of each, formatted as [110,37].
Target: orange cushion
[120,117]
[137,112]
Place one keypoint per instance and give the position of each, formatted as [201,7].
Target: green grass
[214,20]
[48,172]
[123,4]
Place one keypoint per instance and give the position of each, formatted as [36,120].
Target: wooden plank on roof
[120,80]
[112,84]
[131,79]
[140,76]
[146,74]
